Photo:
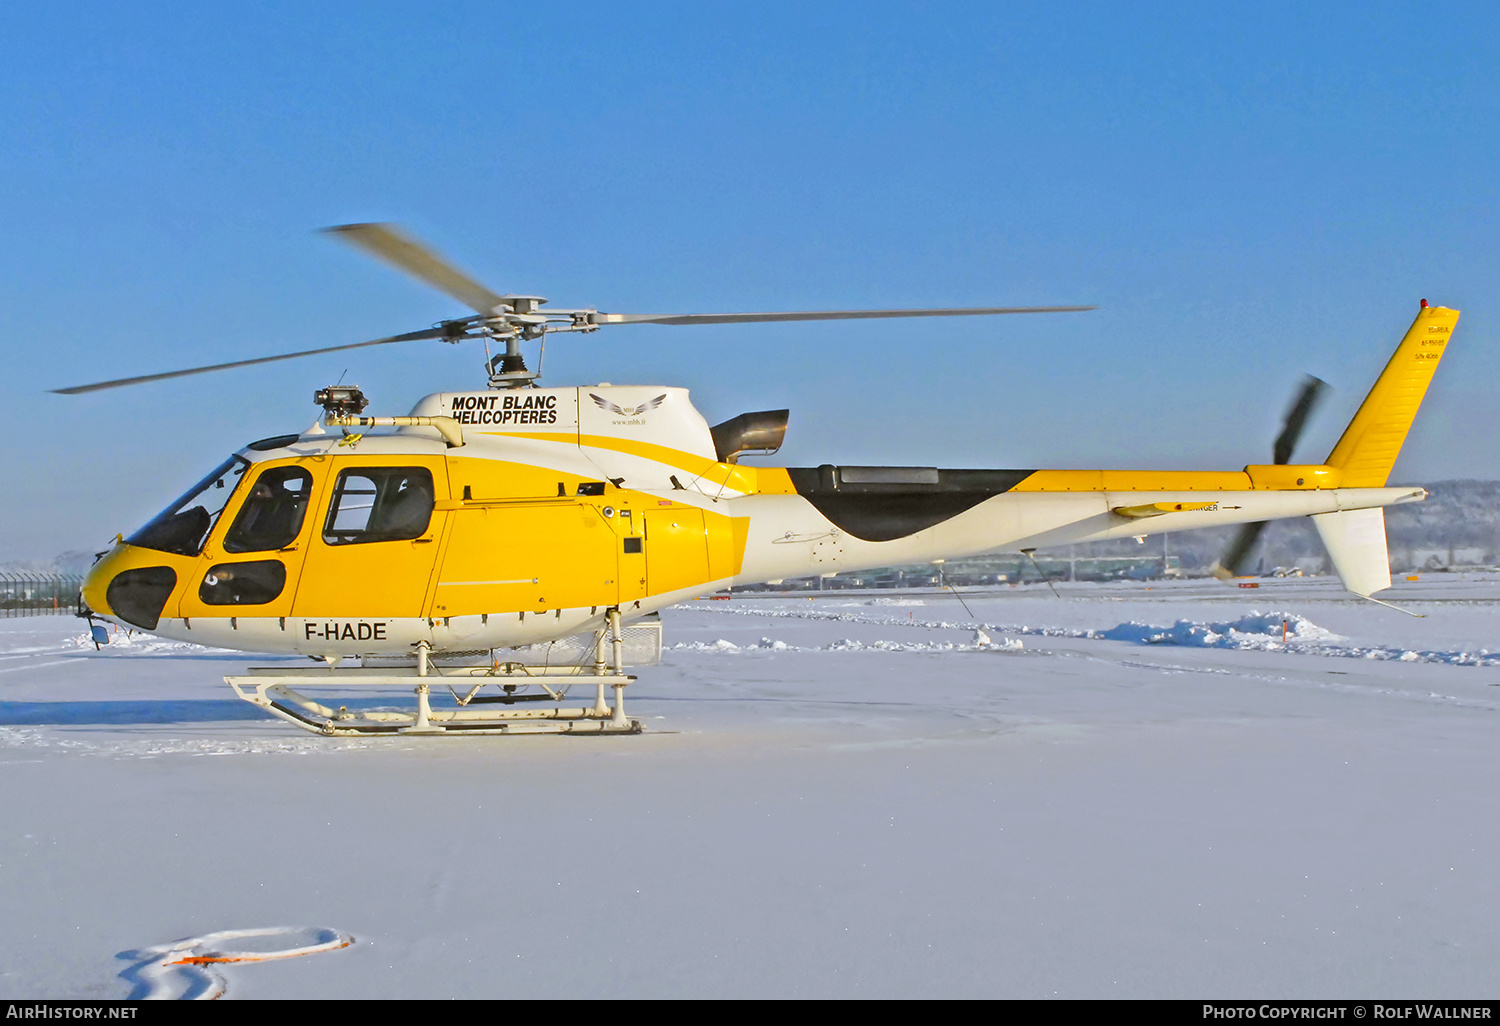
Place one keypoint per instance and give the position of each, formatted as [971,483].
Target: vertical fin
[1355,539]
[1368,450]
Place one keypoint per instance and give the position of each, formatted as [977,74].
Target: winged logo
[627,411]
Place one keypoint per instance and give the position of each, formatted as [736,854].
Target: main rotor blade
[411,336]
[387,243]
[1296,418]
[1237,557]
[821,315]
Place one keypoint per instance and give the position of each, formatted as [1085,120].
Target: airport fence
[26,594]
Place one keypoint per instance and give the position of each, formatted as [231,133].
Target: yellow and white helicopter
[517,515]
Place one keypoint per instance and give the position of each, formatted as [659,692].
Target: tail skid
[1390,605]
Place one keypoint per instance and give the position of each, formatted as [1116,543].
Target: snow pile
[763,645]
[875,602]
[1255,631]
[798,612]
[1264,631]
[981,643]
[1283,632]
[137,641]
[1479,657]
[851,645]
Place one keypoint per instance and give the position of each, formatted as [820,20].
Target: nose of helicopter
[122,586]
[96,582]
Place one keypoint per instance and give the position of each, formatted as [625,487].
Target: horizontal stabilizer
[1355,539]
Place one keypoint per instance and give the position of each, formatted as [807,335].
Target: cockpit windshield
[182,527]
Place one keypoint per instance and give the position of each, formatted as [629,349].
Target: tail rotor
[1236,559]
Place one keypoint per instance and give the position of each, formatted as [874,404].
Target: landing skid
[272,689]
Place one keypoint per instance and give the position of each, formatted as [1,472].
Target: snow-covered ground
[1170,790]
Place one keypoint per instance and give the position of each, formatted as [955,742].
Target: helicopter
[518,515]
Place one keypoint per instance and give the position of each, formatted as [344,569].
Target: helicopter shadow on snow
[208,655]
[121,713]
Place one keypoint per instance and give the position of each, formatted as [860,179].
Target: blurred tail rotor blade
[404,253]
[1236,560]
[1296,418]
[441,331]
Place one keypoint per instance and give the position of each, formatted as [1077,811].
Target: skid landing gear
[272,688]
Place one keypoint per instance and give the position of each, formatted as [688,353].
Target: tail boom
[789,537]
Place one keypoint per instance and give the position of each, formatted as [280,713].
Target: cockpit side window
[182,527]
[272,514]
[373,504]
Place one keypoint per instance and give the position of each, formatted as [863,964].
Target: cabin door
[254,556]
[374,545]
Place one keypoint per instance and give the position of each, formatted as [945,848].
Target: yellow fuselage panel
[676,548]
[528,557]
[376,579]
[1290,477]
[1268,476]
[495,555]
[477,479]
[1134,481]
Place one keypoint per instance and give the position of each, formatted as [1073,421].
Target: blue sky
[1249,192]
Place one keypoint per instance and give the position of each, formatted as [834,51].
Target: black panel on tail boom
[885,503]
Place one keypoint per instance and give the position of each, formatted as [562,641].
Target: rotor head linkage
[508,369]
